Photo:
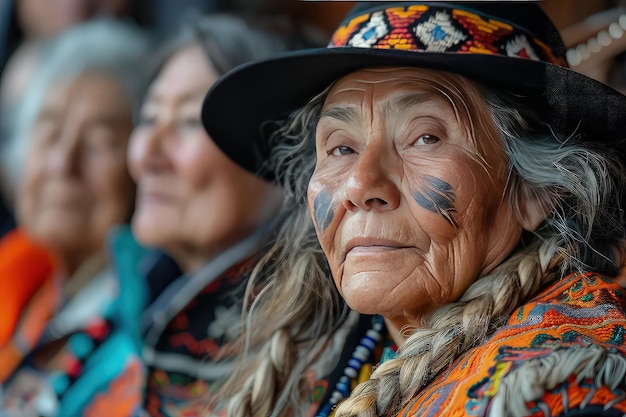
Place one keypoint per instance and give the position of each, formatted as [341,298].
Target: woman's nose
[372,183]
[64,156]
[147,147]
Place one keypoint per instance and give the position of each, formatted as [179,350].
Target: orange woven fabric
[28,298]
[578,312]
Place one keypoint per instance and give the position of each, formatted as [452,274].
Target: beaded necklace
[358,368]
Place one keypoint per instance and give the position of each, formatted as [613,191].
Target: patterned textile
[189,329]
[79,363]
[198,333]
[30,295]
[440,29]
[34,265]
[563,351]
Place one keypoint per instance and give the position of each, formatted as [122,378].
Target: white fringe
[530,381]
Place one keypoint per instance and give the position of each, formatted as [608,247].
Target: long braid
[273,383]
[295,306]
[257,396]
[451,331]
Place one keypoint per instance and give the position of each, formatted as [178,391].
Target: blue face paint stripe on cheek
[424,202]
[440,185]
[438,199]
[322,210]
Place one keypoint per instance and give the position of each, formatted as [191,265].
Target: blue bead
[373,334]
[368,343]
[369,34]
[355,363]
[343,387]
[352,373]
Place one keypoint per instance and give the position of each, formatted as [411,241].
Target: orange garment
[28,296]
[578,322]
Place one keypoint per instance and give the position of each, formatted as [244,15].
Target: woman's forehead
[401,85]
[390,91]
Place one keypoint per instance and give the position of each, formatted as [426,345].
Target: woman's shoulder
[579,308]
[562,350]
[27,272]
[583,290]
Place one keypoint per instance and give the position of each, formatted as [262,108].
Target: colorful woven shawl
[562,351]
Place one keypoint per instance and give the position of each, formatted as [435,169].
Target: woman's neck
[394,327]
[77,273]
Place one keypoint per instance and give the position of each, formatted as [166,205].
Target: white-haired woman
[465,187]
[59,347]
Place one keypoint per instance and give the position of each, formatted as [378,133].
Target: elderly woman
[211,219]
[59,294]
[464,186]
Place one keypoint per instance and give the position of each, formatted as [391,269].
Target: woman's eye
[192,122]
[426,140]
[145,121]
[99,139]
[341,150]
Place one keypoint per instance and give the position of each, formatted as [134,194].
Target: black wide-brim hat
[513,46]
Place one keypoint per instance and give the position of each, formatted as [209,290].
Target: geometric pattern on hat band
[423,28]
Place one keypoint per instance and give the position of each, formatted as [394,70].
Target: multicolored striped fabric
[564,350]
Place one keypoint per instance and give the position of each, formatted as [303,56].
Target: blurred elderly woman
[466,189]
[211,219]
[74,186]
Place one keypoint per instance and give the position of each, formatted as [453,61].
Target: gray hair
[230,40]
[102,45]
[580,187]
[299,308]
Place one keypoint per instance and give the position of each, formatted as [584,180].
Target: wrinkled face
[408,204]
[192,200]
[76,185]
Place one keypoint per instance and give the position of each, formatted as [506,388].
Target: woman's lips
[365,245]
[152,197]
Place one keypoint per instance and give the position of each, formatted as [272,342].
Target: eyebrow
[108,120]
[409,100]
[348,114]
[344,114]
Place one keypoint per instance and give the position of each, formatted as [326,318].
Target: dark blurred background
[20,19]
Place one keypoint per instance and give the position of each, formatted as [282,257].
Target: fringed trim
[532,379]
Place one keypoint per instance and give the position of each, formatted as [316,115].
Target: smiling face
[76,185]
[408,197]
[192,200]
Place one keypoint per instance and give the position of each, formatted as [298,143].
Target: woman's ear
[620,256]
[533,206]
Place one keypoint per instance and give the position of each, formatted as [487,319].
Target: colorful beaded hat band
[426,28]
